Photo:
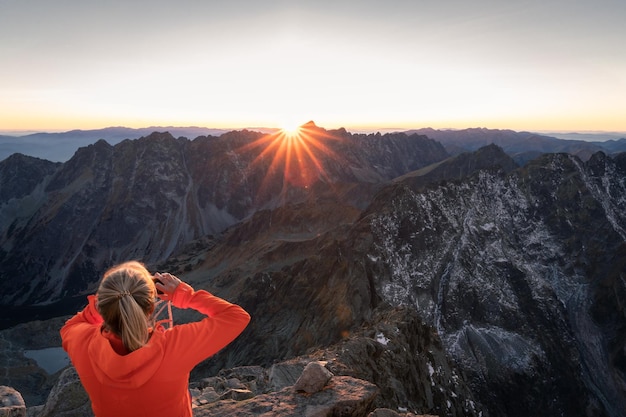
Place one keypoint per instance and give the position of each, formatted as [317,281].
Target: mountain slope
[149,197]
[21,174]
[523,277]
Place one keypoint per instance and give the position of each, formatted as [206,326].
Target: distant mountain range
[59,147]
[522,146]
[459,281]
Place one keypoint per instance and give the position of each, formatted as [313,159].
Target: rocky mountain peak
[20,174]
[309,125]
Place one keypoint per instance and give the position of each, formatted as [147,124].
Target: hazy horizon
[591,136]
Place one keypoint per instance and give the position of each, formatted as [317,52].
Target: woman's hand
[167,284]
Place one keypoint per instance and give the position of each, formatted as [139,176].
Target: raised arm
[197,341]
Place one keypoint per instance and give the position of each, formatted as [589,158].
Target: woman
[129,368]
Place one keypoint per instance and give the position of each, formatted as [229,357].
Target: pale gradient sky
[533,65]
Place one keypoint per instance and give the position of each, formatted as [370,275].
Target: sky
[524,65]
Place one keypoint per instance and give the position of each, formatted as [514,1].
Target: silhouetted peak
[494,153]
[102,144]
[159,136]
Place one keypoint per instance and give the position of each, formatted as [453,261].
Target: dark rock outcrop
[67,398]
[20,175]
[491,158]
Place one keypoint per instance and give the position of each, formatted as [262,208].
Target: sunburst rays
[299,154]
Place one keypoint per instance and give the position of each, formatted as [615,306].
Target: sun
[290,127]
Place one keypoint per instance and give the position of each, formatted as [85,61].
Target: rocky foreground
[396,366]
[316,392]
[293,388]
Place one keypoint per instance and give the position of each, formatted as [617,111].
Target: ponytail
[125,301]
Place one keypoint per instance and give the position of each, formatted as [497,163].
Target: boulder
[11,403]
[68,398]
[285,374]
[313,379]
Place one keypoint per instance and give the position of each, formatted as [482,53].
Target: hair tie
[122,294]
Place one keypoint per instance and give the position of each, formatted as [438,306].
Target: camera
[159,281]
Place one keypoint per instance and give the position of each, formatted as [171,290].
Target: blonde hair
[126,298]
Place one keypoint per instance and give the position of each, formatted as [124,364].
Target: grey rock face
[67,398]
[513,271]
[285,374]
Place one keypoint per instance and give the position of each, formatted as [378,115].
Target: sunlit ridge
[298,152]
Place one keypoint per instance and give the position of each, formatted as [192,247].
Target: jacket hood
[125,371]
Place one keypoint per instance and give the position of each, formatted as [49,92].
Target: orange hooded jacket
[152,380]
